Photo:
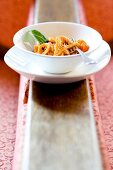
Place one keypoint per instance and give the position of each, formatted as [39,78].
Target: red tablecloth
[8,119]
[9,81]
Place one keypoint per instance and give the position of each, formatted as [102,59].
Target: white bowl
[58,64]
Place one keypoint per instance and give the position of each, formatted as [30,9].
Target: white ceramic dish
[102,55]
[56,64]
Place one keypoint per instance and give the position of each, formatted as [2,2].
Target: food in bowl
[57,64]
[57,46]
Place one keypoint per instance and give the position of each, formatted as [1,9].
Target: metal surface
[57,10]
[60,129]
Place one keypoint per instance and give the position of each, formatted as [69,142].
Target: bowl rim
[55,22]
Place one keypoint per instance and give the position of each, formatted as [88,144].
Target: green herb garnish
[39,37]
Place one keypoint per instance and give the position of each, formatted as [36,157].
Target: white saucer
[102,55]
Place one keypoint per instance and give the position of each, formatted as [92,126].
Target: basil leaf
[39,37]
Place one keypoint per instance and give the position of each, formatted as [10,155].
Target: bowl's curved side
[55,65]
